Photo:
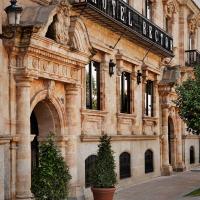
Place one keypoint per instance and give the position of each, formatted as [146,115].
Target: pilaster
[23,170]
[73,106]
[166,167]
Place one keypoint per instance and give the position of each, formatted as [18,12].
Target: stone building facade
[57,75]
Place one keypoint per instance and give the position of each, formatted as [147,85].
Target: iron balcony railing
[192,57]
[125,20]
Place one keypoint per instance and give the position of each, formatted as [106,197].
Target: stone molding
[96,118]
[95,138]
[5,139]
[190,136]
[150,125]
[126,123]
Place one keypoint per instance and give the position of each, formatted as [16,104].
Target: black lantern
[111,67]
[13,12]
[139,77]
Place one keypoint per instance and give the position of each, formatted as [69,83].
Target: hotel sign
[134,21]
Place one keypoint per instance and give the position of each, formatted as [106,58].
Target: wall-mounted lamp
[139,77]
[111,67]
[13,12]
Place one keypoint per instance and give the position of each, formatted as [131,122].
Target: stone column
[166,168]
[23,171]
[179,147]
[73,106]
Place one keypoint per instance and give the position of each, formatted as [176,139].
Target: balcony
[121,18]
[192,58]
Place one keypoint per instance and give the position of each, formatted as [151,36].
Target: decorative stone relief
[150,126]
[170,8]
[51,88]
[51,70]
[193,23]
[93,122]
[62,23]
[126,124]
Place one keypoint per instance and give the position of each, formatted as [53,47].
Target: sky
[197,2]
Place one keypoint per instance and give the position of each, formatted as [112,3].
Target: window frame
[90,105]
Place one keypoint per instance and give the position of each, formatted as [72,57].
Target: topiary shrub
[103,174]
[51,178]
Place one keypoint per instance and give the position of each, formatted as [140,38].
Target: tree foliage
[188,102]
[50,179]
[103,174]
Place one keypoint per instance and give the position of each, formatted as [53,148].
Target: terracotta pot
[103,193]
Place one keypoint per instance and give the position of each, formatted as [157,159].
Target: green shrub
[188,101]
[51,178]
[103,175]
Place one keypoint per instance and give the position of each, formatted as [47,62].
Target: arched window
[125,166]
[192,155]
[89,165]
[148,161]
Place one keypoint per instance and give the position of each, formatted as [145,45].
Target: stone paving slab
[173,187]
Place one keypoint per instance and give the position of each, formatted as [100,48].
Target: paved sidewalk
[164,188]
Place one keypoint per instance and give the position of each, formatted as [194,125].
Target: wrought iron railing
[129,21]
[192,57]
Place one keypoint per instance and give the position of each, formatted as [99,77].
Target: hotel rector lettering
[122,12]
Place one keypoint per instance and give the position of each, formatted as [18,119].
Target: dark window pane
[89,165]
[125,167]
[192,155]
[148,161]
[93,85]
[148,9]
[125,92]
[149,99]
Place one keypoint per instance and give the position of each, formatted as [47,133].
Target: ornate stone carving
[50,88]
[61,23]
[170,8]
[193,23]
[46,69]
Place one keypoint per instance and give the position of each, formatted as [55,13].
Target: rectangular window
[148,9]
[149,99]
[93,85]
[125,92]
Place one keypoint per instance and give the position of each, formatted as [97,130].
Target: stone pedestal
[166,170]
[23,171]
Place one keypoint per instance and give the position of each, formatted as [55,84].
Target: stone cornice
[5,139]
[119,138]
[89,112]
[42,2]
[134,61]
[191,136]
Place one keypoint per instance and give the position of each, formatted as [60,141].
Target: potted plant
[50,180]
[103,176]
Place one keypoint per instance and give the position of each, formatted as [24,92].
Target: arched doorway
[171,142]
[43,120]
